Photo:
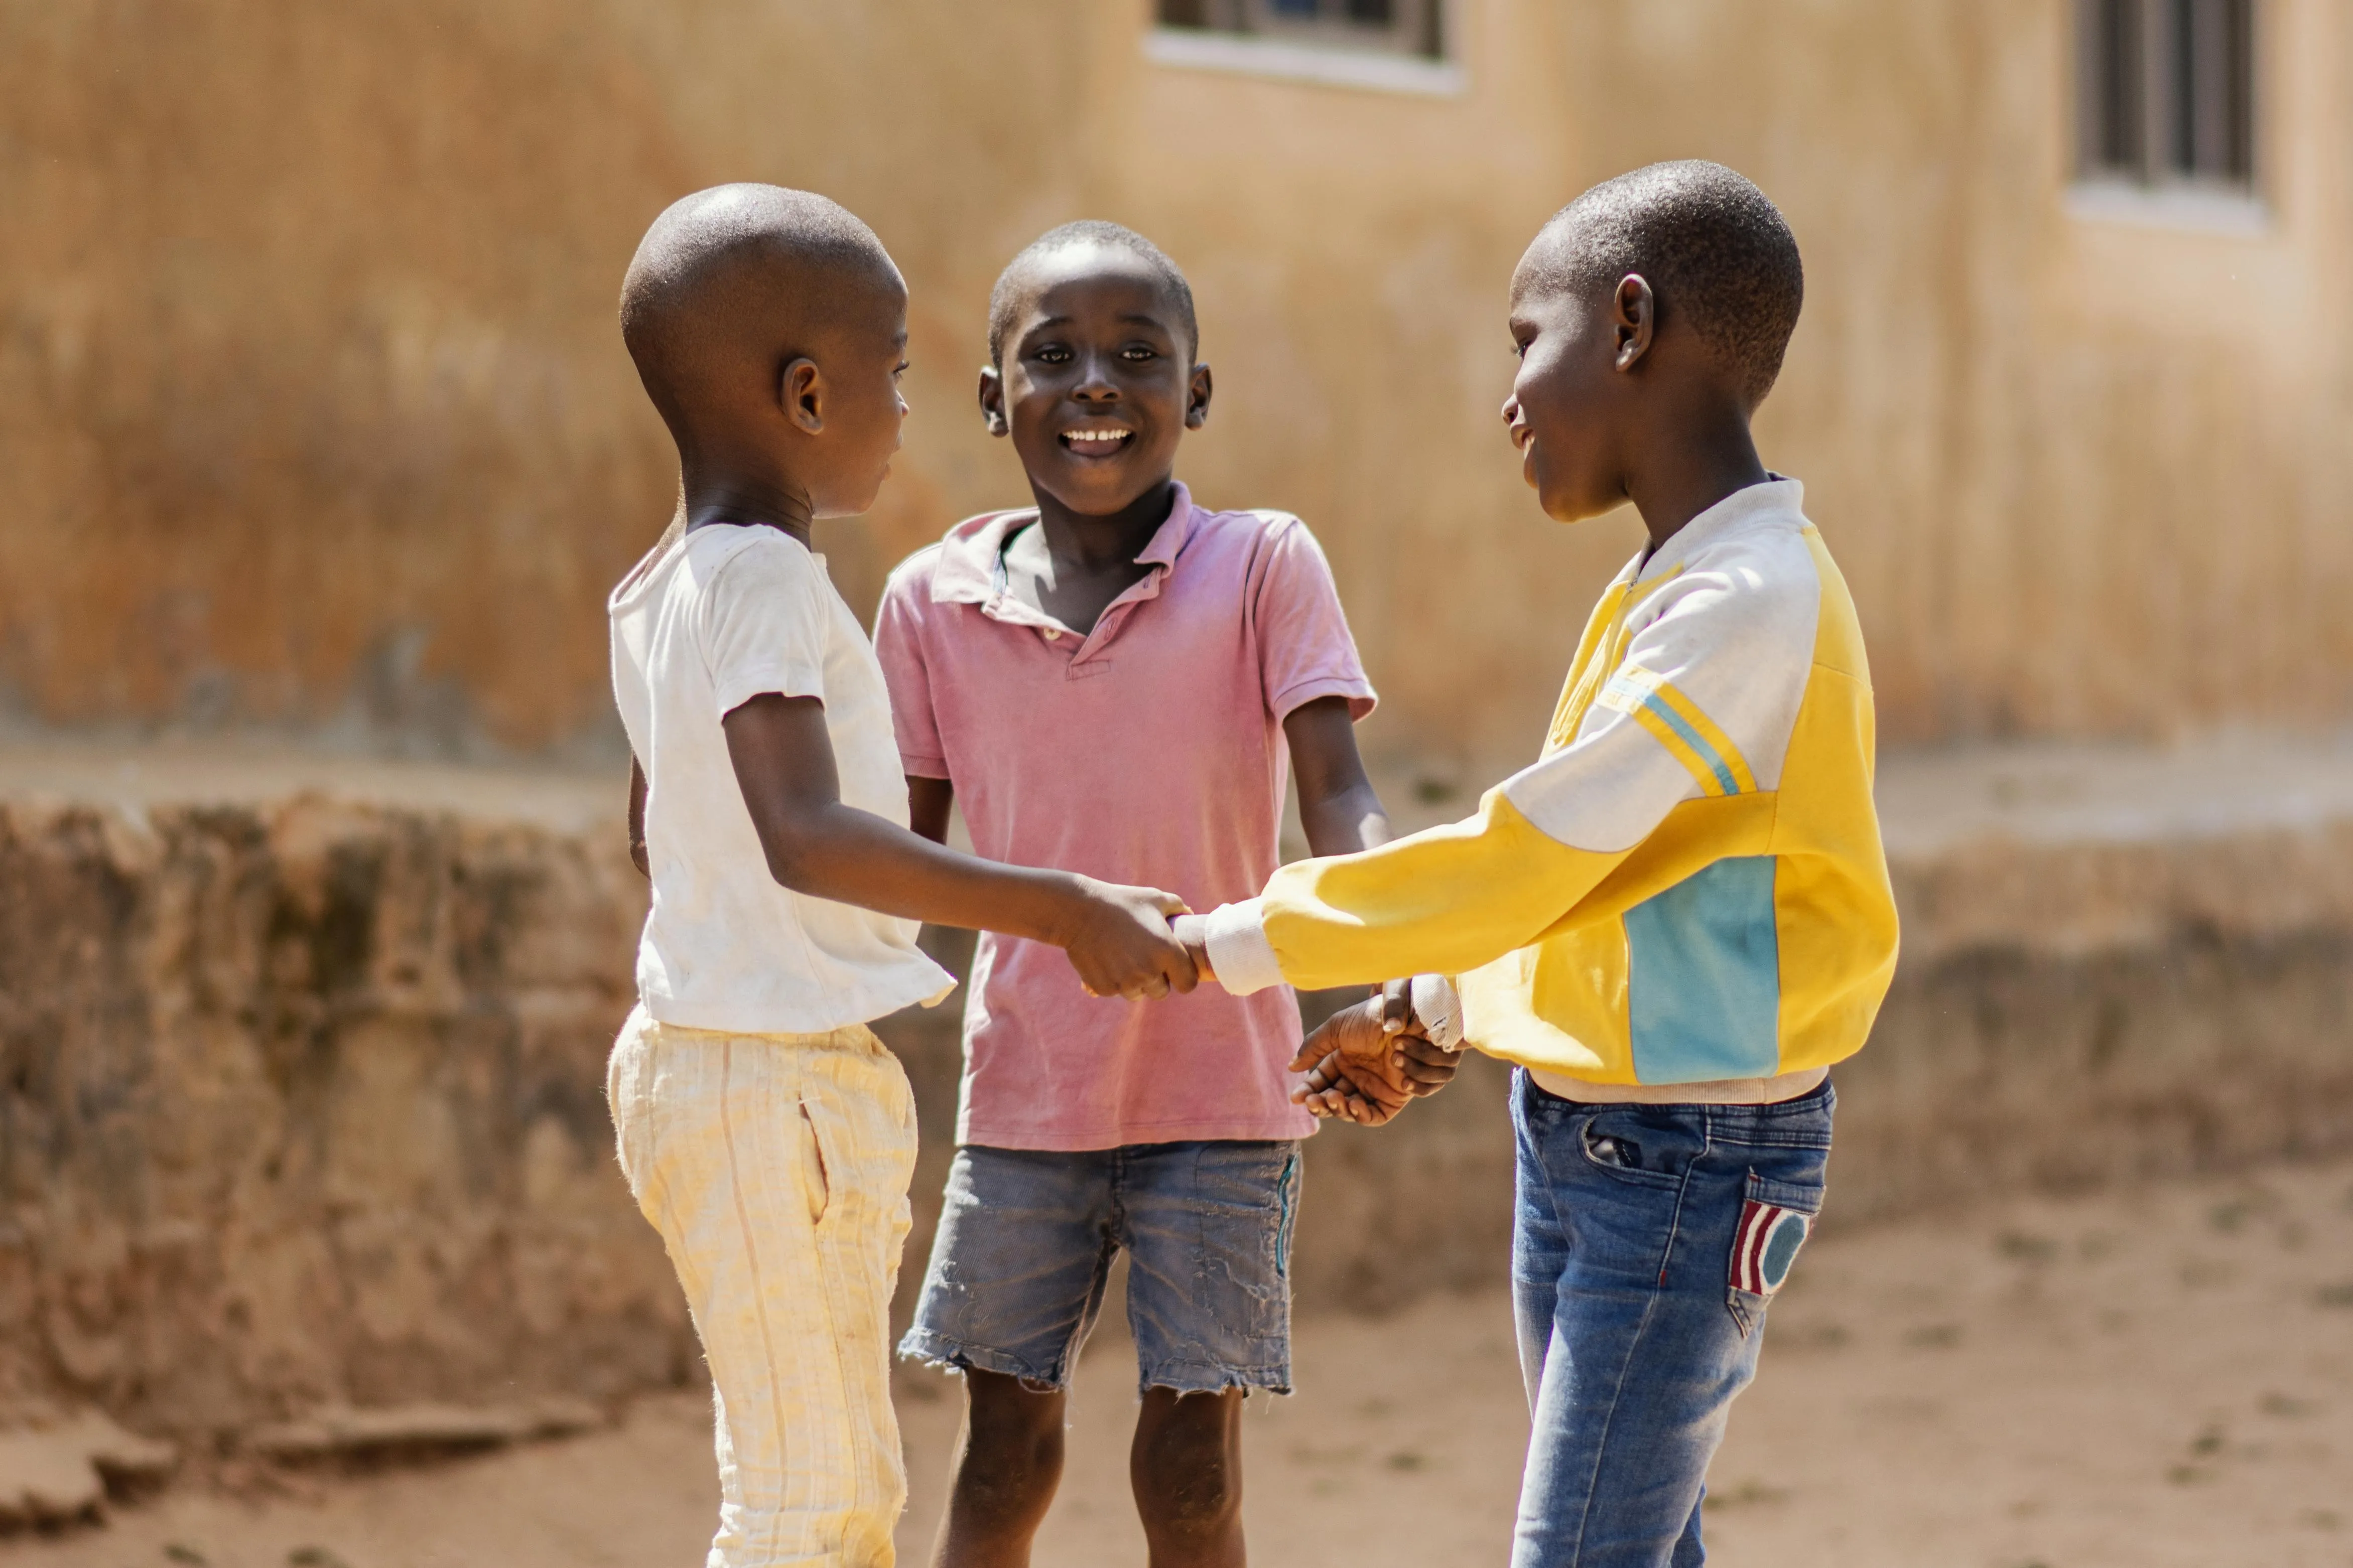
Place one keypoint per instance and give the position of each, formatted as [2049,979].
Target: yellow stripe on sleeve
[1713,738]
[1711,782]
[1690,736]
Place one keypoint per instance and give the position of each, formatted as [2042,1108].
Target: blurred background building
[319,452]
[314,420]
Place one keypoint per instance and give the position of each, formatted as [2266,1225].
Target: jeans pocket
[1775,1219]
[1653,1147]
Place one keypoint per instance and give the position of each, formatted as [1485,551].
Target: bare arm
[929,801]
[638,819]
[1365,1063]
[1117,937]
[1336,803]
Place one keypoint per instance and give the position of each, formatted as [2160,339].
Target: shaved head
[732,283]
[1005,301]
[1712,246]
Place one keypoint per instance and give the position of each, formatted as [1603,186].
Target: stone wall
[301,1099]
[302,1105]
[2082,1013]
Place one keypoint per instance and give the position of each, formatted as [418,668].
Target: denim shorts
[1026,1243]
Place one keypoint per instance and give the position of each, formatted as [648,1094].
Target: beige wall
[312,415]
[313,410]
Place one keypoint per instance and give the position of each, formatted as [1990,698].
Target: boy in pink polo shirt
[1110,683]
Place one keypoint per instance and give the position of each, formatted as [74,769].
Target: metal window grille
[1389,27]
[2167,90]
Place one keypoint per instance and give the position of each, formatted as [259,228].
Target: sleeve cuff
[1235,935]
[1357,690]
[1440,1009]
[785,680]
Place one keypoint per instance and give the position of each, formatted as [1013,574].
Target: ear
[800,392]
[1634,318]
[992,401]
[1197,398]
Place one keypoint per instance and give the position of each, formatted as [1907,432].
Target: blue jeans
[1647,1243]
[1027,1238]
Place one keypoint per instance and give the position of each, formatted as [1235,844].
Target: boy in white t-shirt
[765,1130]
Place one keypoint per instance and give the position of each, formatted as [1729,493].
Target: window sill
[1188,50]
[2186,209]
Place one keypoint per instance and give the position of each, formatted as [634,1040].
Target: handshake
[1365,1063]
[1362,1064]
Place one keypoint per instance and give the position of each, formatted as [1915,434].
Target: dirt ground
[2149,1378]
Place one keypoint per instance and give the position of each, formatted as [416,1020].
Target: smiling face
[1098,383]
[1570,398]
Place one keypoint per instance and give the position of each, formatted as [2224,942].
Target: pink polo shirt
[1150,750]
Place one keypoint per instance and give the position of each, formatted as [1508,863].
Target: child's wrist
[1437,1008]
[1070,904]
[1192,933]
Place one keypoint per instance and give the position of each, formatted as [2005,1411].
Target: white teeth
[1097,436]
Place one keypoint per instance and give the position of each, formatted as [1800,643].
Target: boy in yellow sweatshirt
[1679,916]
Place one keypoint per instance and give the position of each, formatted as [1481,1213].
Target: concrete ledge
[56,1471]
[335,1434]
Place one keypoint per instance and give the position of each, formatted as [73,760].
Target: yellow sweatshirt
[1688,885]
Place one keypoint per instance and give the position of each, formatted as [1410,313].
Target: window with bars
[2166,91]
[1410,28]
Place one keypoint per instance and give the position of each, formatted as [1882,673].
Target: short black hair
[1005,298]
[725,275]
[1712,246]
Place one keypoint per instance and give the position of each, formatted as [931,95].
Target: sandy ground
[2148,1378]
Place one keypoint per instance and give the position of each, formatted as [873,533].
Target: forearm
[1338,808]
[929,802]
[1345,823]
[852,856]
[1117,937]
[1446,901]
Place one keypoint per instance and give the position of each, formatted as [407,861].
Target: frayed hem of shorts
[930,1350]
[1202,1377]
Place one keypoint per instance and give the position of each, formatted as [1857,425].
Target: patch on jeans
[1766,1244]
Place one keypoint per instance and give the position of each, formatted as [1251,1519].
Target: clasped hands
[1365,1063]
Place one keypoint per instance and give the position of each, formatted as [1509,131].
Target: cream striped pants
[775,1167]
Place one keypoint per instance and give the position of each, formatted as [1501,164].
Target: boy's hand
[1371,1095]
[1368,1061]
[1119,940]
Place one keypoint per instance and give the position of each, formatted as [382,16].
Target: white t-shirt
[726,613]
